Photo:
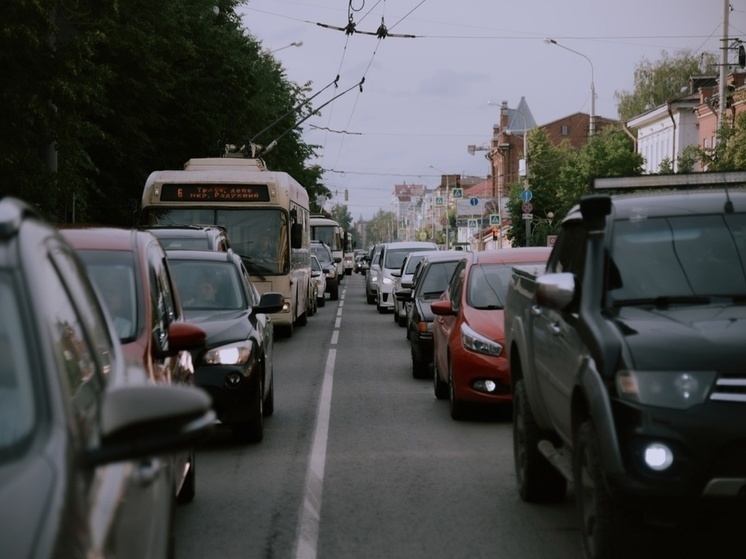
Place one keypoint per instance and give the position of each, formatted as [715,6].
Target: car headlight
[387,281]
[666,389]
[231,354]
[373,277]
[478,343]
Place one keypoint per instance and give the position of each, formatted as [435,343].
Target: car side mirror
[270,302]
[442,308]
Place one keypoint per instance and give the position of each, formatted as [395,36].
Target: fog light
[658,457]
[233,379]
[490,387]
[285,307]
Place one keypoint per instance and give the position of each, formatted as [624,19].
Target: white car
[392,257]
[319,277]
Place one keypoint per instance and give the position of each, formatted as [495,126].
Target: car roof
[511,255]
[105,238]
[445,256]
[187,230]
[409,244]
[211,255]
[672,203]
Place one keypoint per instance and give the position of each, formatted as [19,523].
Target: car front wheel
[537,480]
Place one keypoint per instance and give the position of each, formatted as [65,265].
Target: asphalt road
[360,460]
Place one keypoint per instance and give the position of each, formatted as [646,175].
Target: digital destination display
[214,192]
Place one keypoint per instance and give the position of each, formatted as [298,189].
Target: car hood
[709,337]
[222,326]
[489,323]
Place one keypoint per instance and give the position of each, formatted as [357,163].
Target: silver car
[392,257]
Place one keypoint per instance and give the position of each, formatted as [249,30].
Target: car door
[443,327]
[126,498]
[557,347]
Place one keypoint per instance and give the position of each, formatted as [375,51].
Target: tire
[538,481]
[285,331]
[439,387]
[189,487]
[371,299]
[607,530]
[269,402]
[419,368]
[303,319]
[321,301]
[456,407]
[334,292]
[252,431]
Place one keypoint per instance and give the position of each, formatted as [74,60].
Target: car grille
[730,388]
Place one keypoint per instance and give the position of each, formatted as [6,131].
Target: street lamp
[592,123]
[293,44]
[448,194]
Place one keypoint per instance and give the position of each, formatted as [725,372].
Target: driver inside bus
[263,248]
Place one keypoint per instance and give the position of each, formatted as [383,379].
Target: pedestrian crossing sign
[494,219]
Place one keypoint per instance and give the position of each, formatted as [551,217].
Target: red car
[470,364]
[130,270]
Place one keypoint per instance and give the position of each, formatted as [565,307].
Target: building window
[565,130]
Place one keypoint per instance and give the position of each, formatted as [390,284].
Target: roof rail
[689,180]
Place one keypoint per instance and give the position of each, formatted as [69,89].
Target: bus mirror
[296,235]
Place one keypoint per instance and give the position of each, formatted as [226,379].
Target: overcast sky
[425,99]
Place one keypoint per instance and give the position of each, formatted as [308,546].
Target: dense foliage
[665,79]
[560,175]
[121,89]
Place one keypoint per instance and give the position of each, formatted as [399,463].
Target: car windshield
[18,408]
[678,259]
[435,278]
[395,257]
[488,284]
[315,265]
[208,284]
[322,253]
[113,273]
[414,259]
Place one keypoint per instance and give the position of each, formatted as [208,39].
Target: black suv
[71,406]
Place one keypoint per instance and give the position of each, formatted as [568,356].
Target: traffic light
[494,233]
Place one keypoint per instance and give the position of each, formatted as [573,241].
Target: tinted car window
[113,273]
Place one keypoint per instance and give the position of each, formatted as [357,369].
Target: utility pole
[723,65]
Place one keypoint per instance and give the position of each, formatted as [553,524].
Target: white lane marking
[338,322]
[335,337]
[308,528]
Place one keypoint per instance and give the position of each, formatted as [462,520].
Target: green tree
[126,88]
[560,175]
[382,227]
[655,82]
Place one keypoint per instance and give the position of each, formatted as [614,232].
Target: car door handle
[535,310]
[148,470]
[555,328]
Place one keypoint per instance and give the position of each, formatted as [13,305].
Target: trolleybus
[265,213]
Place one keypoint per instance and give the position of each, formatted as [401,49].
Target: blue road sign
[526,195]
[494,219]
[438,200]
[474,201]
[457,192]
